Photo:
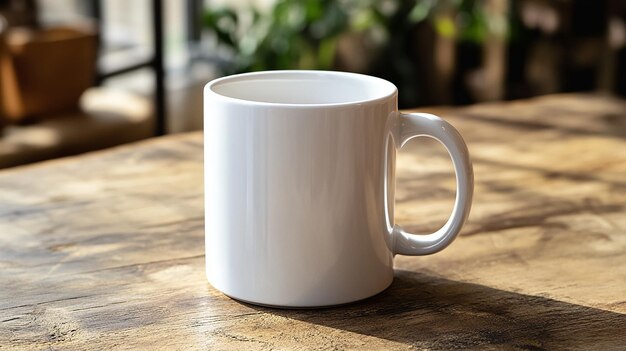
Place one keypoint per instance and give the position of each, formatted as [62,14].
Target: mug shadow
[436,313]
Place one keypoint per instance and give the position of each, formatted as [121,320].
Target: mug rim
[390,88]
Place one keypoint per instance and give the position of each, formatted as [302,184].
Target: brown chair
[106,117]
[3,25]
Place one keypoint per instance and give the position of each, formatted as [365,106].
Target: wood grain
[105,250]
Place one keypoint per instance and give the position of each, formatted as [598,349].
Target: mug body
[296,171]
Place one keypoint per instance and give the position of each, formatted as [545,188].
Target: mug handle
[408,126]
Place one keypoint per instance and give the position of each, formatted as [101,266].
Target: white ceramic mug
[299,186]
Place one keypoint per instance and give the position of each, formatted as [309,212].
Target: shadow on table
[429,312]
[610,125]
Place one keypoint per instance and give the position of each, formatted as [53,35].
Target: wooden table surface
[106,250]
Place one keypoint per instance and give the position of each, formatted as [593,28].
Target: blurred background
[79,75]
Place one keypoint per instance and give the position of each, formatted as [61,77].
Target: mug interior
[302,87]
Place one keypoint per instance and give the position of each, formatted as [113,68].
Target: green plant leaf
[445,26]
[363,20]
[326,53]
[420,11]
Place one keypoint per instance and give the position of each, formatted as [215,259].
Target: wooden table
[105,250]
